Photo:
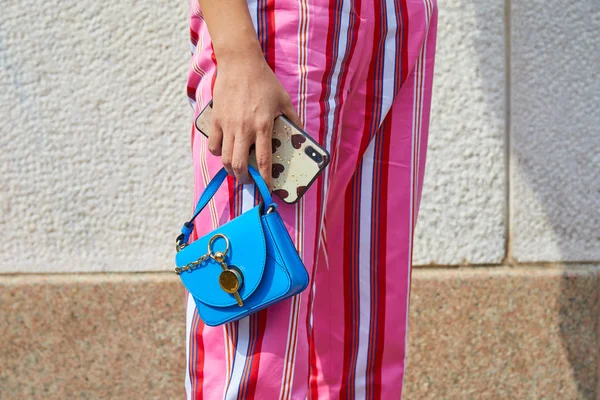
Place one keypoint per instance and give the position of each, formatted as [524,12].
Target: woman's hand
[247,97]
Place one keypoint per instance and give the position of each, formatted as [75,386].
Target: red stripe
[213,57]
[312,351]
[374,96]
[404,49]
[193,36]
[192,356]
[382,261]
[199,358]
[230,191]
[191,92]
[347,261]
[271,29]
[339,98]
[192,135]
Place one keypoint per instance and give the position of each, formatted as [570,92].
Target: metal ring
[271,208]
[212,239]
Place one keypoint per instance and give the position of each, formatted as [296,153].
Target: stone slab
[555,131]
[474,334]
[95,167]
[463,216]
[92,337]
[505,334]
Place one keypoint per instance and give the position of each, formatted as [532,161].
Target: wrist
[243,48]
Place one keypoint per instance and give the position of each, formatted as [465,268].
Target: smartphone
[297,158]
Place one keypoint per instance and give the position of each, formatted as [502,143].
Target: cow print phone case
[297,158]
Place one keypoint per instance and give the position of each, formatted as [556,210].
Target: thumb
[290,112]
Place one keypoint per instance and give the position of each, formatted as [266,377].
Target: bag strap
[210,191]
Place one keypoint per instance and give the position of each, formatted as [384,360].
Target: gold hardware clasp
[230,279]
[219,256]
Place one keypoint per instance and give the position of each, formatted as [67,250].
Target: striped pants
[359,73]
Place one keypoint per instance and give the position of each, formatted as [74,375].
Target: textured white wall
[95,164]
[463,217]
[555,130]
[95,168]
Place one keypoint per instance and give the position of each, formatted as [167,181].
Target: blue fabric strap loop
[210,191]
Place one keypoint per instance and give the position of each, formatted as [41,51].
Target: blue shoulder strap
[210,191]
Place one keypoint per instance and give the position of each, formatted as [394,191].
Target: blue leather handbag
[243,266]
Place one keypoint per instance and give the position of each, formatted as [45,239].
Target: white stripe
[322,240]
[239,360]
[253,8]
[302,56]
[389,63]
[189,317]
[290,351]
[243,334]
[364,271]
[228,327]
[344,27]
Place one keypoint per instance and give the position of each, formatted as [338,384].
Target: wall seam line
[508,258]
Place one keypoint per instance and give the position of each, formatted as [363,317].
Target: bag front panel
[247,252]
[275,285]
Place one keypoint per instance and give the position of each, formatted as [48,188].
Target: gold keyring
[212,239]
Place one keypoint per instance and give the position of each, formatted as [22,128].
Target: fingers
[227,153]
[239,163]
[215,139]
[290,112]
[264,154]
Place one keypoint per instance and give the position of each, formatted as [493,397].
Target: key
[230,280]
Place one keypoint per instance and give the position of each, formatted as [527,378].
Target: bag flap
[247,252]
